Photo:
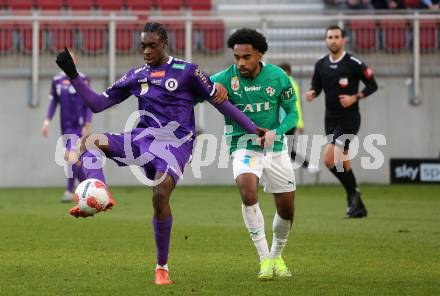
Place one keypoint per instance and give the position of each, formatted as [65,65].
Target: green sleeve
[300,123]
[287,101]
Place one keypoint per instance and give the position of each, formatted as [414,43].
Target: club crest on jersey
[144,89]
[171,84]
[235,83]
[343,82]
[270,91]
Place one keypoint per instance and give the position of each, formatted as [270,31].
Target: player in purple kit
[162,142]
[75,118]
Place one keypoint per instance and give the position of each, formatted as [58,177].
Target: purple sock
[94,170]
[162,233]
[71,183]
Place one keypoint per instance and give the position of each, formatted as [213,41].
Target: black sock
[351,179]
[343,178]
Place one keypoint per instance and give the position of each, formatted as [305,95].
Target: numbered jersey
[260,99]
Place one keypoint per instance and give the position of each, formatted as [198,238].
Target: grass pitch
[395,251]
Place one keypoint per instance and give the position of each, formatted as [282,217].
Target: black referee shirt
[341,77]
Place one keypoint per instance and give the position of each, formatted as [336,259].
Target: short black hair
[286,67]
[335,27]
[158,28]
[248,36]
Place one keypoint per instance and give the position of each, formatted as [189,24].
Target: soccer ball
[92,196]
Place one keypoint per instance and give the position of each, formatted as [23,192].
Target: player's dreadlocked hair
[158,28]
[248,36]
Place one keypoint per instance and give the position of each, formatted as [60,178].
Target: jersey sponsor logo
[334,66]
[157,74]
[144,89]
[270,91]
[368,73]
[343,82]
[255,107]
[143,80]
[235,83]
[252,88]
[288,93]
[156,81]
[171,84]
[65,82]
[178,66]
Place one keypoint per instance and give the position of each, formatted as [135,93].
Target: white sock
[254,220]
[162,267]
[281,229]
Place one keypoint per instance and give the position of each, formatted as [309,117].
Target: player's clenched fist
[65,62]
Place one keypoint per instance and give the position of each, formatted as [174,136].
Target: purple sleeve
[229,110]
[53,102]
[88,116]
[202,83]
[96,102]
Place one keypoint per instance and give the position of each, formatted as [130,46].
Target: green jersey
[260,99]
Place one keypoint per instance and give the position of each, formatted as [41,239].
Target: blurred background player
[75,118]
[299,126]
[339,74]
[167,88]
[259,90]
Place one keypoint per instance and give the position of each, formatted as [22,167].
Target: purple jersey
[168,91]
[74,113]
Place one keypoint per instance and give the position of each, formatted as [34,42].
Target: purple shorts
[151,153]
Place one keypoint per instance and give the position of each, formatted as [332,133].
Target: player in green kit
[258,90]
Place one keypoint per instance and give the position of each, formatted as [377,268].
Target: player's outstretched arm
[96,102]
[229,110]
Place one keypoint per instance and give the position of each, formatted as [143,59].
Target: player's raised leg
[162,223]
[253,218]
[90,165]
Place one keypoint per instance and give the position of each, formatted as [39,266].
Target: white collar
[338,60]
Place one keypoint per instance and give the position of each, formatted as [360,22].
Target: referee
[338,74]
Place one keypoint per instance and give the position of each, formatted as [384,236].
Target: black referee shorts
[343,128]
[291,131]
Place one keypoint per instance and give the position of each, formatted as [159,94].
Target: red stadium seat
[364,35]
[428,35]
[176,36]
[169,4]
[93,38]
[394,35]
[6,38]
[79,4]
[25,39]
[213,35]
[126,34]
[199,4]
[60,36]
[49,4]
[109,4]
[20,4]
[139,5]
[413,4]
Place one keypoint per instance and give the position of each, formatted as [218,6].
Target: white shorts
[275,167]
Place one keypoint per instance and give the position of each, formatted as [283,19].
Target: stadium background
[402,48]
